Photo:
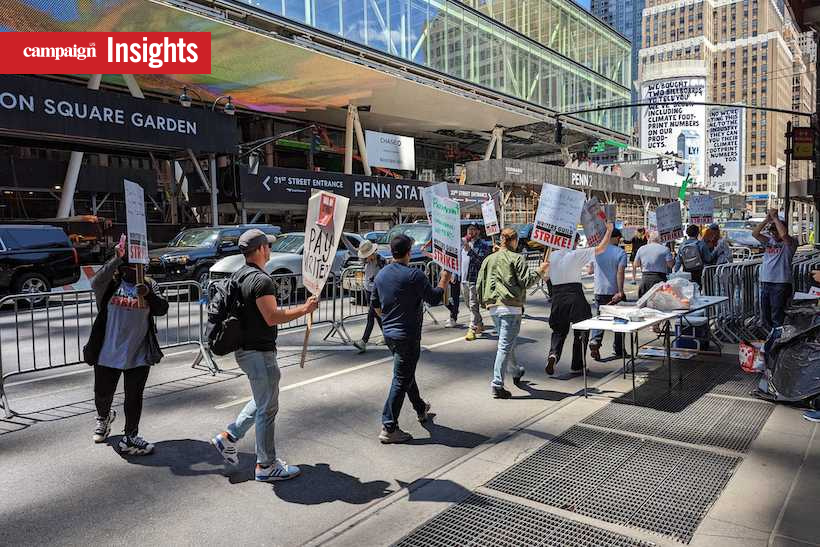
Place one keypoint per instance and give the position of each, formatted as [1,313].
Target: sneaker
[450,323]
[470,335]
[394,437]
[361,345]
[478,329]
[501,393]
[135,445]
[103,427]
[517,379]
[279,472]
[424,416]
[812,416]
[595,351]
[226,448]
[550,368]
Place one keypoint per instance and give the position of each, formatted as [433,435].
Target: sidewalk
[706,465]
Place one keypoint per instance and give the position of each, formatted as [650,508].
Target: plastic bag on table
[675,294]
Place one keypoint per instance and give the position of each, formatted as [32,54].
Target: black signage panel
[293,186]
[40,108]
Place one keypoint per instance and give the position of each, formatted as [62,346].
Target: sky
[583,3]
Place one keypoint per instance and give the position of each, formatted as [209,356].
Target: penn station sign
[45,109]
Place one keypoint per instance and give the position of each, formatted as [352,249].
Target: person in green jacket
[502,286]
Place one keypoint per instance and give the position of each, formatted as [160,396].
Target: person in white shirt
[569,305]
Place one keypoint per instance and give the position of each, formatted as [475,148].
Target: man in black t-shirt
[257,359]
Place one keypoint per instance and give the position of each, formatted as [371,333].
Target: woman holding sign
[569,305]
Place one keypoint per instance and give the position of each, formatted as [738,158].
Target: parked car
[192,252]
[35,258]
[286,258]
[375,236]
[743,238]
[91,235]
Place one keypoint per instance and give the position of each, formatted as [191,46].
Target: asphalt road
[58,488]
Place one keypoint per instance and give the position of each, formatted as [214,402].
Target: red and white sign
[135,221]
[490,217]
[105,52]
[556,220]
[321,241]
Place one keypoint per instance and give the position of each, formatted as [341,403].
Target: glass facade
[592,70]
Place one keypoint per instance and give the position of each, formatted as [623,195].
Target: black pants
[372,317]
[696,275]
[405,358]
[649,280]
[455,296]
[569,305]
[105,385]
[597,336]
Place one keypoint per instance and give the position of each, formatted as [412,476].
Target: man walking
[610,267]
[693,254]
[655,261]
[638,241]
[257,358]
[473,253]
[398,294]
[776,269]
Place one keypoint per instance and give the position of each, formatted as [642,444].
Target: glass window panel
[295,9]
[418,33]
[327,15]
[376,24]
[353,20]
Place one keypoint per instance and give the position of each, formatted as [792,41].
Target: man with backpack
[258,313]
[693,254]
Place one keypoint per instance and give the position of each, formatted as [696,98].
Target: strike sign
[490,217]
[556,220]
[135,221]
[323,229]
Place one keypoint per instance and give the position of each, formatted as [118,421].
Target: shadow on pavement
[544,394]
[447,436]
[320,484]
[443,490]
[185,457]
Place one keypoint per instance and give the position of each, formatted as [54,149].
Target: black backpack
[223,330]
[690,257]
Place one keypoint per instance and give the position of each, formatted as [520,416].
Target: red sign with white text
[105,52]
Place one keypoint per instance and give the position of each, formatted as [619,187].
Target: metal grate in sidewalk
[485,521]
[689,417]
[618,478]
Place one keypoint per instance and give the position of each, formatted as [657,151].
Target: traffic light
[559,132]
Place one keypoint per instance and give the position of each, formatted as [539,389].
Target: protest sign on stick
[136,228]
[427,195]
[701,209]
[593,219]
[324,225]
[557,216]
[670,225]
[446,233]
[490,217]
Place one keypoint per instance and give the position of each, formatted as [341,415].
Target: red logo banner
[105,52]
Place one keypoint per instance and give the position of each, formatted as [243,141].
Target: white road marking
[337,373]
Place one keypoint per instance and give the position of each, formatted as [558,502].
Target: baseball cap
[616,233]
[253,239]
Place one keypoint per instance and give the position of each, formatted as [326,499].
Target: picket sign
[701,209]
[557,216]
[446,215]
[490,217]
[670,224]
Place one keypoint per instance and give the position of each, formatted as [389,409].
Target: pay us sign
[323,229]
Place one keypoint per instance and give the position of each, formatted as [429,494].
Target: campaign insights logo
[106,52]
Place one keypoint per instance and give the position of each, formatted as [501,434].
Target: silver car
[286,262]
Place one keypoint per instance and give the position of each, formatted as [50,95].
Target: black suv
[193,251]
[36,258]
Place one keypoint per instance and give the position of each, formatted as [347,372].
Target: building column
[351,111]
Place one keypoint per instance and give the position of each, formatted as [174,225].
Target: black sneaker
[501,393]
[103,427]
[517,379]
[425,415]
[550,368]
[595,351]
[134,445]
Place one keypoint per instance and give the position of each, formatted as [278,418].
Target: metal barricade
[741,253]
[534,261]
[48,330]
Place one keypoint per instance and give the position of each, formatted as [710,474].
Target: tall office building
[625,17]
[752,53]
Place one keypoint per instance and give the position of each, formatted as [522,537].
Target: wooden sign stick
[305,343]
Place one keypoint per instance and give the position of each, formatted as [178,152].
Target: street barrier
[739,318]
[45,331]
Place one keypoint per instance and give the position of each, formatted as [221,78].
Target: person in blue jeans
[501,285]
[398,294]
[610,268]
[776,269]
[257,359]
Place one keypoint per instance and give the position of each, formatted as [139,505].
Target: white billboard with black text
[390,151]
[725,149]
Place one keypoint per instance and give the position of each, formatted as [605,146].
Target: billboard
[675,130]
[725,149]
[390,151]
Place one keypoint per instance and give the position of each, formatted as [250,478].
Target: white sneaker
[103,427]
[279,472]
[226,448]
[450,323]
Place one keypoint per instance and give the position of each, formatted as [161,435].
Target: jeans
[372,317]
[507,327]
[596,336]
[773,301]
[263,373]
[453,301]
[105,385]
[471,299]
[405,358]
